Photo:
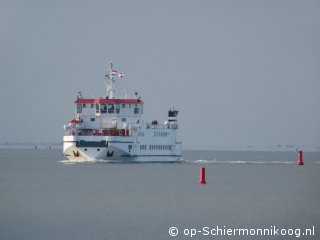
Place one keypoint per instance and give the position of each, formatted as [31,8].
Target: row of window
[91,105]
[156,147]
[161,134]
[143,147]
[122,119]
[110,108]
[107,108]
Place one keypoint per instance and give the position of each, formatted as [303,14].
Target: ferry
[113,128]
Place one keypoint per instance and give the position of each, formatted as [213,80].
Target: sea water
[44,196]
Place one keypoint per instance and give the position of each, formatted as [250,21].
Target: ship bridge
[105,113]
[100,106]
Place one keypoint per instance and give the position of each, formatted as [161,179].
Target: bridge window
[110,108]
[103,108]
[136,109]
[117,108]
[79,108]
[97,108]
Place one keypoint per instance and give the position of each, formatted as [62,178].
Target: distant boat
[112,128]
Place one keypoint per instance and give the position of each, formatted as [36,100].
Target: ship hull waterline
[113,154]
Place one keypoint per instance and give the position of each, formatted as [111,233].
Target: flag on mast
[115,73]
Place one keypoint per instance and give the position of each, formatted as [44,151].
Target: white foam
[198,161]
[89,161]
[202,161]
[66,161]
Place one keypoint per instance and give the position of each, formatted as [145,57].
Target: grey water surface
[43,196]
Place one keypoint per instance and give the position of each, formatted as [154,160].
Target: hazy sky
[240,72]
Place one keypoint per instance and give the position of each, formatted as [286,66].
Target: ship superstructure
[111,128]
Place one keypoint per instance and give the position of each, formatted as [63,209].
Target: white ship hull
[112,148]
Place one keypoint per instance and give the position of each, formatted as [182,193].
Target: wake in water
[89,161]
[183,161]
[126,160]
[202,161]
[199,161]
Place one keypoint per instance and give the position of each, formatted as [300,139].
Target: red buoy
[202,179]
[300,161]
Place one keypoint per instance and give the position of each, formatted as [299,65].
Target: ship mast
[110,85]
[109,78]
